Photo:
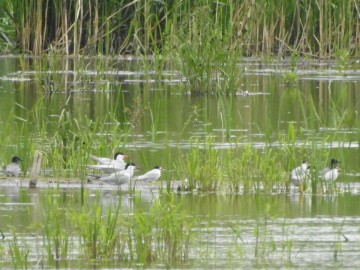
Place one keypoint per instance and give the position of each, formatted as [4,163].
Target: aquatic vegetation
[100,233]
[19,252]
[310,28]
[208,65]
[199,167]
[55,229]
[290,77]
[163,234]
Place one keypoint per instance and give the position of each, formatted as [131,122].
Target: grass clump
[163,234]
[70,228]
[19,252]
[198,50]
[238,170]
[199,168]
[98,231]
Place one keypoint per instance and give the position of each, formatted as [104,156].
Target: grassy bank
[313,28]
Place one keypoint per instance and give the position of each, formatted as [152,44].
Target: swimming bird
[108,165]
[150,176]
[13,169]
[331,173]
[118,178]
[300,173]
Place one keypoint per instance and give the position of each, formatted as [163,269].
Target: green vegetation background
[314,28]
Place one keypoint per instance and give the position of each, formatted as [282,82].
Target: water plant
[99,236]
[311,28]
[54,227]
[19,252]
[199,168]
[209,66]
[163,234]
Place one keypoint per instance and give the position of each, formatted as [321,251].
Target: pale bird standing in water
[300,173]
[13,169]
[150,176]
[331,173]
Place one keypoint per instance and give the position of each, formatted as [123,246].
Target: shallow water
[233,231]
[277,230]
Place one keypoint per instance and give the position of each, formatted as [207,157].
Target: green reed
[54,228]
[199,168]
[19,252]
[312,28]
[163,234]
[97,230]
[209,65]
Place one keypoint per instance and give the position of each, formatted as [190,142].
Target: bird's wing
[297,172]
[101,160]
[324,172]
[107,169]
[116,178]
[118,163]
[151,175]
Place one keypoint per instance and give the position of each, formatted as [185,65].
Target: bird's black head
[157,167]
[334,162]
[119,153]
[129,164]
[15,159]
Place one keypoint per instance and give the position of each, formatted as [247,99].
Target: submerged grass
[162,235]
[96,232]
[19,252]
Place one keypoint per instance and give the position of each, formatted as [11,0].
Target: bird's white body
[331,173]
[150,176]
[13,169]
[120,177]
[300,173]
[108,165]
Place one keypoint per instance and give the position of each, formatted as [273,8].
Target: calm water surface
[233,230]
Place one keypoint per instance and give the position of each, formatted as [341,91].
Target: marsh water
[234,229]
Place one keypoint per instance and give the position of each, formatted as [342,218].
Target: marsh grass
[243,169]
[99,236]
[264,243]
[310,28]
[199,167]
[55,227]
[19,252]
[209,66]
[163,234]
[90,231]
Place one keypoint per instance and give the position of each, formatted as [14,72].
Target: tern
[108,165]
[150,176]
[300,173]
[331,173]
[118,178]
[13,169]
